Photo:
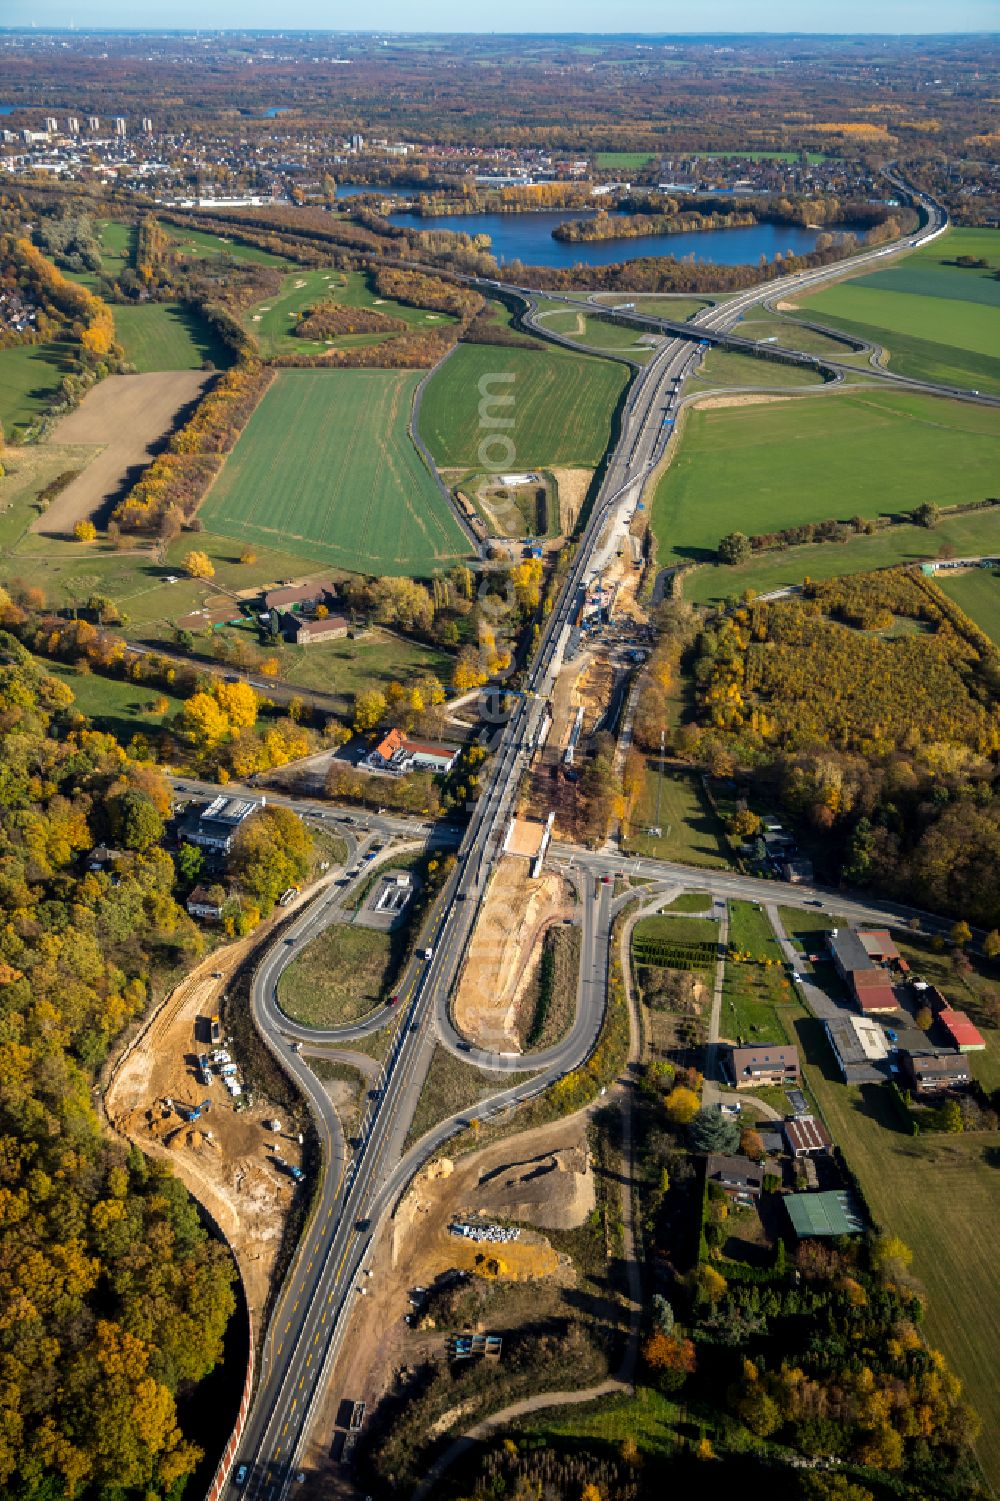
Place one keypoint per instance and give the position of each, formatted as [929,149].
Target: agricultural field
[941,1195]
[326,469]
[29,378]
[630,160]
[160,336]
[560,405]
[978,594]
[940,322]
[690,830]
[271,321]
[767,466]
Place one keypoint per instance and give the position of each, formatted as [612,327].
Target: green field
[813,157]
[941,1195]
[120,708]
[29,378]
[166,336]
[597,332]
[630,159]
[760,468]
[757,999]
[560,408]
[270,321]
[200,246]
[340,976]
[326,469]
[793,335]
[940,322]
[978,594]
[689,827]
[722,369]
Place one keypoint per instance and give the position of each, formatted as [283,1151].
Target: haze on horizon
[733,17]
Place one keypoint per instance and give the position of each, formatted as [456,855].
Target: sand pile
[554,1190]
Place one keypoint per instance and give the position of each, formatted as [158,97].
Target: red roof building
[961,1033]
[873,991]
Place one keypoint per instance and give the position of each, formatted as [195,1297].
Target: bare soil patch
[127,417]
[748,399]
[573,485]
[504,952]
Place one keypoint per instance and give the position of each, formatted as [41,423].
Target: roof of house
[806,1134]
[428,748]
[323,626]
[878,943]
[959,1028]
[297,594]
[736,1171]
[389,745]
[764,1055]
[856,1039]
[201,897]
[848,950]
[875,996]
[830,1213]
[946,1065]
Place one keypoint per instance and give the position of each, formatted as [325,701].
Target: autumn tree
[85,531]
[734,548]
[670,1359]
[271,852]
[681,1105]
[199,565]
[369,709]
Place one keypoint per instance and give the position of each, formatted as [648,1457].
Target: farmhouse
[202,903]
[217,823]
[960,1032]
[398,755]
[930,1073]
[298,596]
[738,1177]
[323,628]
[806,1134]
[831,1213]
[764,1063]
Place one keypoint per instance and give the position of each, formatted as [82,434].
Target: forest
[108,1278]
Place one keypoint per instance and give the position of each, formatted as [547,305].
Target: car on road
[240,1477]
[813,901]
[393,1000]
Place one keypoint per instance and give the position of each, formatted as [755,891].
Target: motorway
[327,1274]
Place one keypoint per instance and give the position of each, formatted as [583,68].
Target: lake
[527,237]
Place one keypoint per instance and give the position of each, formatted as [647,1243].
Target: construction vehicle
[192,1113]
[215,1031]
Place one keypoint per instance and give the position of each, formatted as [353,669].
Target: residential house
[201,904]
[764,1063]
[738,1177]
[932,1073]
[397,754]
[301,596]
[799,871]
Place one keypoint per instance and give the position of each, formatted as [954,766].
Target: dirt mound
[504,952]
[554,1190]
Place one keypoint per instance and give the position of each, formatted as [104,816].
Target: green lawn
[340,976]
[763,467]
[272,320]
[969,535]
[978,594]
[661,928]
[29,378]
[813,157]
[690,829]
[757,998]
[722,368]
[326,469]
[689,901]
[200,246]
[793,335]
[596,332]
[659,305]
[940,322]
[166,336]
[495,408]
[120,708]
[648,1418]
[941,1195]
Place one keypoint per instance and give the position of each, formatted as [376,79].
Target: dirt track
[125,417]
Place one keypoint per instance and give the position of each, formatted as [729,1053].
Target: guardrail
[222,1473]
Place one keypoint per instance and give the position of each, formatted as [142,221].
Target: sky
[845,16]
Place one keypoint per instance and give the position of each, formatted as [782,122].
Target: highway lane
[315,1307]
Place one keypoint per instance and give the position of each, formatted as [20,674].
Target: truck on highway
[428,953]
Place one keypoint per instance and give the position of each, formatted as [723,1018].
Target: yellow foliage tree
[85,531]
[199,565]
[238,702]
[203,721]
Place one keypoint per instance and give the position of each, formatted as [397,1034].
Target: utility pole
[659,785]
